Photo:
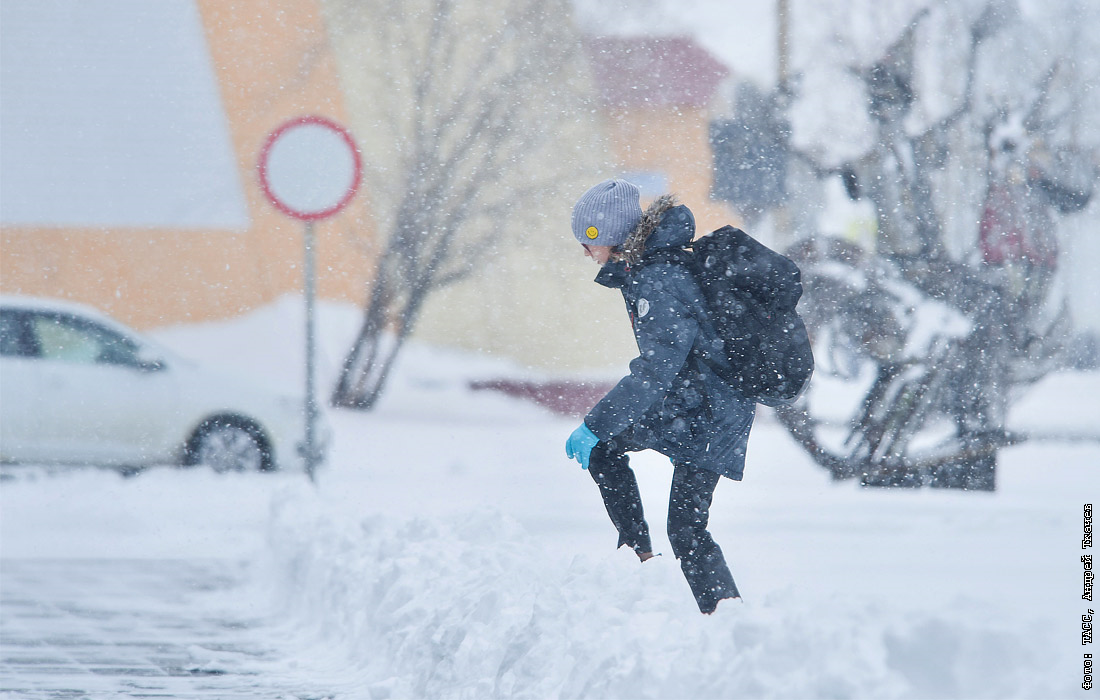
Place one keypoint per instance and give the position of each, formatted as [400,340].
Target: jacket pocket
[728,436]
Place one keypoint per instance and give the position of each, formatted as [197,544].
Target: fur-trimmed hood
[664,224]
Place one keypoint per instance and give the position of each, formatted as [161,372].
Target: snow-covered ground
[450,550]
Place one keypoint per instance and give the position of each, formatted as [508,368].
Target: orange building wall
[676,142]
[272,62]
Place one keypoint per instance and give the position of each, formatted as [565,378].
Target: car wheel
[227,445]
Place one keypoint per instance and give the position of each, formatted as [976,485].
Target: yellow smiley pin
[592,232]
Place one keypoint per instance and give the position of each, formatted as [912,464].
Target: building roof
[653,71]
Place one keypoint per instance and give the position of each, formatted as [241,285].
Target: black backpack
[751,292]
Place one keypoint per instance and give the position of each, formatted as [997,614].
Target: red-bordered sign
[310,168]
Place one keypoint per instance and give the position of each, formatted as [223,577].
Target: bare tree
[935,409]
[473,96]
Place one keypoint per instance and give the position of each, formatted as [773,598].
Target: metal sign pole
[300,146]
[310,447]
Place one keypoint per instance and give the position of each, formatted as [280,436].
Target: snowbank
[469,607]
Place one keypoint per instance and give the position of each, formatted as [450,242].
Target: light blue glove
[580,444]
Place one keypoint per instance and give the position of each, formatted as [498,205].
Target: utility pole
[783,10]
[781,218]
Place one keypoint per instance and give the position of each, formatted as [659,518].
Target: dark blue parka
[671,401]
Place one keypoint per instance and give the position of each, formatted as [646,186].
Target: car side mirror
[148,362]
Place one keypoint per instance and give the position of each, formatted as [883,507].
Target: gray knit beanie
[607,213]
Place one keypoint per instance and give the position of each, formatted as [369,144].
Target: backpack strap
[686,259]
[666,255]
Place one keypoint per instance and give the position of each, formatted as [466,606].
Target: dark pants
[700,557]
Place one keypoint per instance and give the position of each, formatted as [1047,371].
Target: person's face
[600,253]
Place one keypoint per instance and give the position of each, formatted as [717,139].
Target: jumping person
[671,401]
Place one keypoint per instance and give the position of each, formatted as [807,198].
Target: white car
[79,388]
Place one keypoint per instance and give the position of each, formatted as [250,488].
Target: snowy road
[98,628]
[449,549]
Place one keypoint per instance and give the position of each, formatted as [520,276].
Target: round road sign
[310,168]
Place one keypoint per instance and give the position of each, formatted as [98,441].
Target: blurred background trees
[971,149]
[469,107]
